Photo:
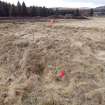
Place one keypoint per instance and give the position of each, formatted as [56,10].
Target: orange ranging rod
[51,23]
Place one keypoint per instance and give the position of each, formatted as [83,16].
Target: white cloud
[59,3]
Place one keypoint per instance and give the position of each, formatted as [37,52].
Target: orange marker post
[51,23]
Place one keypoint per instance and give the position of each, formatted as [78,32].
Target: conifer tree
[91,12]
[24,10]
[19,9]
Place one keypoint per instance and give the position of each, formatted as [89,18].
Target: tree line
[21,10]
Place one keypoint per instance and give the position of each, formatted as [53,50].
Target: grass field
[75,46]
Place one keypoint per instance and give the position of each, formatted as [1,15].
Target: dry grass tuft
[78,47]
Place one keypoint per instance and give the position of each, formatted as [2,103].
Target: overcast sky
[61,3]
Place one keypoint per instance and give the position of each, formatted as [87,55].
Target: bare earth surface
[26,50]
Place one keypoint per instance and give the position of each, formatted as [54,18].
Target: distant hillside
[100,8]
[65,8]
[99,11]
